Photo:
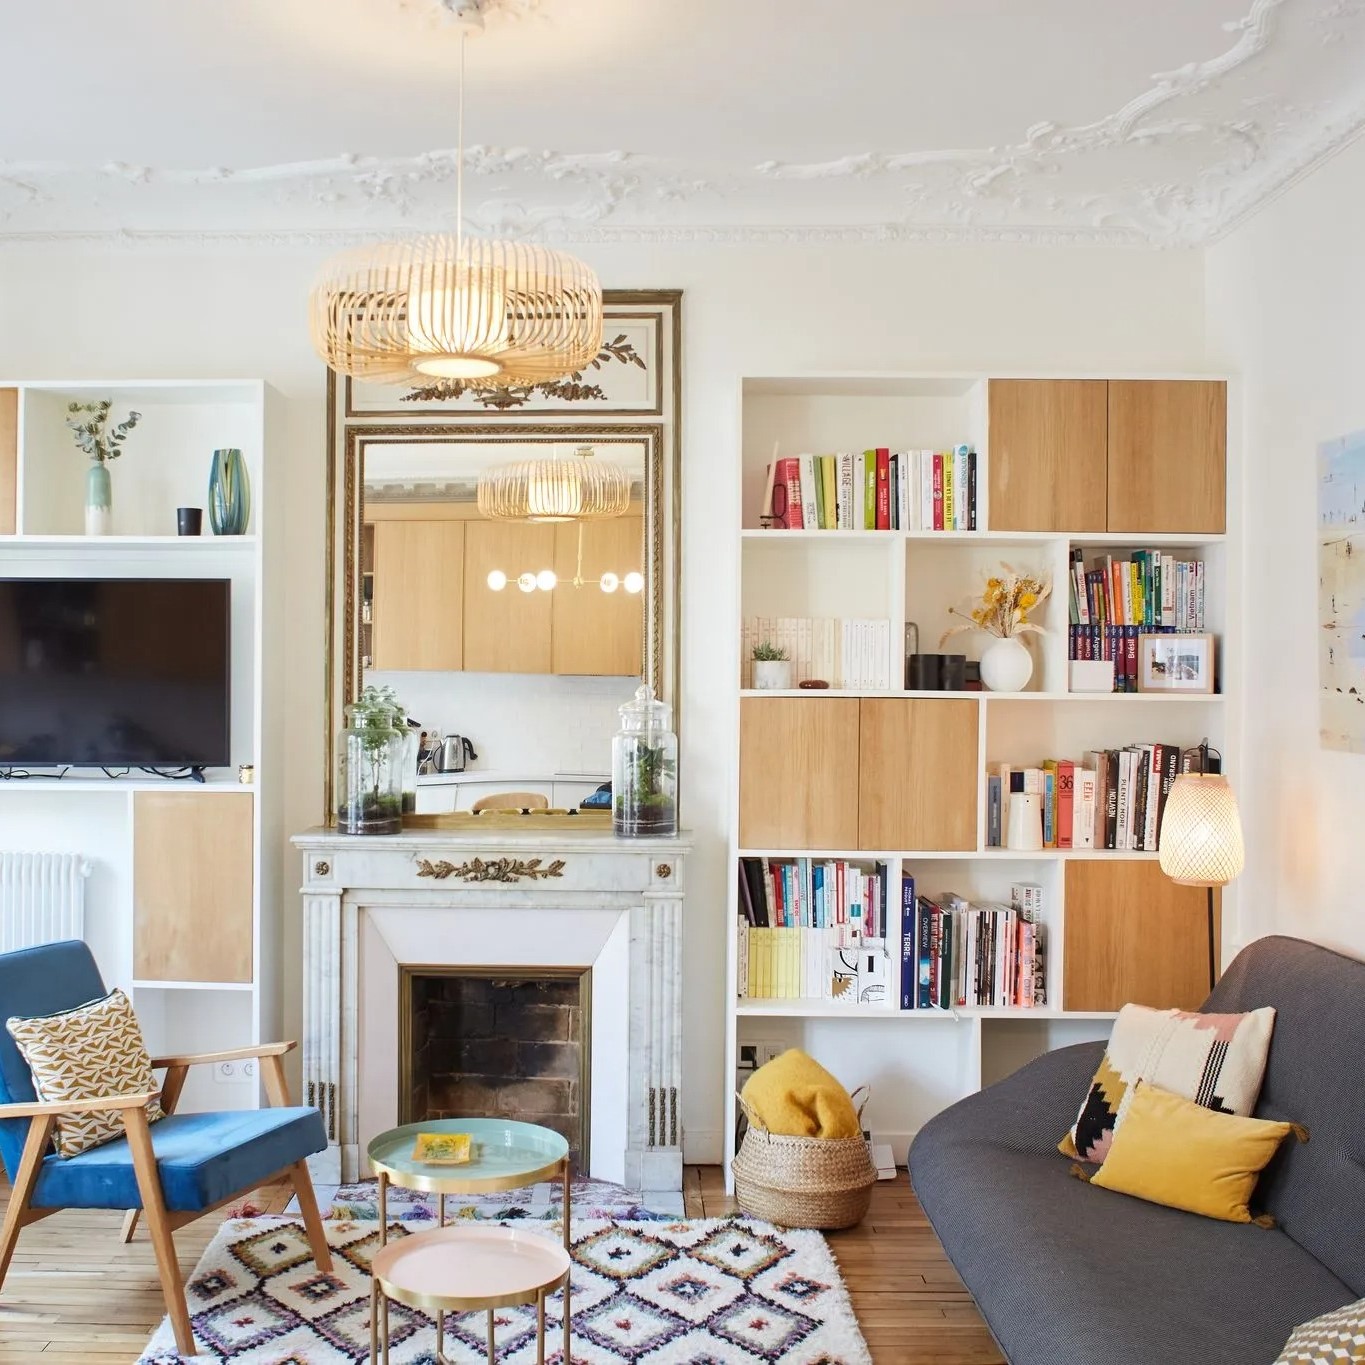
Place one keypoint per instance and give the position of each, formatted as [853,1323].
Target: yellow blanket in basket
[794,1095]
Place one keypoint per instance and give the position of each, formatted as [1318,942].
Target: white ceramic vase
[1006,665]
[772,675]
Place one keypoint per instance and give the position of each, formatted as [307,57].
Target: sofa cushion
[1329,1340]
[202,1159]
[1060,1278]
[1315,1190]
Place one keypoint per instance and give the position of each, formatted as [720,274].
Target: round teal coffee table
[504,1155]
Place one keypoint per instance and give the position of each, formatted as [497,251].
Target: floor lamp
[1201,834]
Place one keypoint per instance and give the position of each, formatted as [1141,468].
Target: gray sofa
[1069,1275]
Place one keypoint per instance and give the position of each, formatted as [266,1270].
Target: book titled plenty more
[873,490]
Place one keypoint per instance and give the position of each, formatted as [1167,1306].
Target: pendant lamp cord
[459,161]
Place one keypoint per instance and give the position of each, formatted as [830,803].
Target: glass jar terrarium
[370,771]
[644,770]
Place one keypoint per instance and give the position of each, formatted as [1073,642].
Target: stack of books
[843,653]
[1113,601]
[812,929]
[1110,799]
[873,490]
[955,954]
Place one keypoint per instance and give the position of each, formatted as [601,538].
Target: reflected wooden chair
[511,801]
[173,1171]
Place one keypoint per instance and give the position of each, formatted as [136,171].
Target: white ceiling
[1164,121]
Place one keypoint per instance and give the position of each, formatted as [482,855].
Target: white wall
[175,311]
[1286,308]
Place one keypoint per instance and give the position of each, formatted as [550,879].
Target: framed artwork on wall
[1341,593]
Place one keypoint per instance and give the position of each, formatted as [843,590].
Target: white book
[1149,757]
[1083,809]
[810,508]
[961,517]
[845,522]
[742,958]
[905,464]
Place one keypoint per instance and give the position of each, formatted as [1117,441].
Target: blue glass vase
[229,493]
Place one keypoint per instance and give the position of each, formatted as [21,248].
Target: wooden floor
[77,1296]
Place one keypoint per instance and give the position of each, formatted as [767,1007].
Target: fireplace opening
[497,1043]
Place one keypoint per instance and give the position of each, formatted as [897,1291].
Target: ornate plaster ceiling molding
[472,14]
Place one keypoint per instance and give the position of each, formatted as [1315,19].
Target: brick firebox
[480,1043]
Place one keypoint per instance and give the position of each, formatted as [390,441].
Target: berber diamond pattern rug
[721,1291]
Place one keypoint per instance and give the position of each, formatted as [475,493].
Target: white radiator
[42,898]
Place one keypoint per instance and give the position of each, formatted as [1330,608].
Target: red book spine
[1066,801]
[789,475]
[938,492]
[883,488]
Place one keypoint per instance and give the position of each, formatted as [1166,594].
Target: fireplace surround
[516,904]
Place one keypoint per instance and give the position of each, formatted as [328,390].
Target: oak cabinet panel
[192,886]
[798,773]
[418,587]
[506,631]
[918,773]
[1133,935]
[1167,455]
[596,632]
[9,460]
[1048,456]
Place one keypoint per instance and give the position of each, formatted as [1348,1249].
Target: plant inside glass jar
[370,803]
[649,803]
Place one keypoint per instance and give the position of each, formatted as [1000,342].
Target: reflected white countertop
[510,779]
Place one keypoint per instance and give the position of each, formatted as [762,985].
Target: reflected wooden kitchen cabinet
[596,632]
[506,631]
[415,601]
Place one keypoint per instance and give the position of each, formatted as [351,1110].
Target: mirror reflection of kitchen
[510,631]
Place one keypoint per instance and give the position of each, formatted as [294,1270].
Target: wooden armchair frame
[161,1223]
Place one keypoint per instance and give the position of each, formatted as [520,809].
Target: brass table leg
[540,1328]
[374,1320]
[568,1315]
[442,1206]
[440,1334]
[383,1209]
[492,1354]
[384,1308]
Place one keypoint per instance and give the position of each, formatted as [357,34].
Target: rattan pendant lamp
[446,306]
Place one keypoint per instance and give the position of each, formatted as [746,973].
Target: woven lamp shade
[1201,832]
[443,307]
[578,488]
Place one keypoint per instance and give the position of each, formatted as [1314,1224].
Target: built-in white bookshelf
[916,576]
[165,464]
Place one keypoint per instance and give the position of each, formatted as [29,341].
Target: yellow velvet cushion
[1170,1150]
[795,1096]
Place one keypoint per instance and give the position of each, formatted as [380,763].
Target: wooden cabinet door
[9,460]
[192,886]
[1047,454]
[798,773]
[1133,935]
[918,774]
[418,585]
[592,631]
[506,631]
[1167,455]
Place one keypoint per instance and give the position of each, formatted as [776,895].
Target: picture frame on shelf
[1176,663]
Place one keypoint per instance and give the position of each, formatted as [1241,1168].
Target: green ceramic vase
[229,493]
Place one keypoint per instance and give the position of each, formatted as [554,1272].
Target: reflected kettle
[454,754]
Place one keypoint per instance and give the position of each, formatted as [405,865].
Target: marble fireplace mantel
[531,875]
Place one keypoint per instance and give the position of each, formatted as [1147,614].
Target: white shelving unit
[165,464]
[917,576]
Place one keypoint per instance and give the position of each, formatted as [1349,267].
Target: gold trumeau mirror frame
[652,315]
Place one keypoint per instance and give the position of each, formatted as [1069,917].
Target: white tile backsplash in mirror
[531,723]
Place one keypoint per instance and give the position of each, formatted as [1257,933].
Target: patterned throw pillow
[1217,1060]
[84,1054]
[1335,1337]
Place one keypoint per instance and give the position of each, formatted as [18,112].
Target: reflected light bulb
[609,582]
[546,580]
[497,580]
[527,582]
[633,582]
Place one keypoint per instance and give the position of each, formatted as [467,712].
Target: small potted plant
[1003,612]
[370,767]
[90,422]
[772,667]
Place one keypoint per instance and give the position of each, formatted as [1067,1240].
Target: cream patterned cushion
[84,1054]
[1332,1339]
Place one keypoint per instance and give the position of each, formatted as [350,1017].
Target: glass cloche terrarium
[644,769]
[369,796]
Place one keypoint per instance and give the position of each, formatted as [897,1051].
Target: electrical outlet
[229,1073]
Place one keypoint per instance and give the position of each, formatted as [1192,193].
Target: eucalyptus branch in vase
[90,423]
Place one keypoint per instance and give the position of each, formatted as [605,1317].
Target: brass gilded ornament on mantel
[496,870]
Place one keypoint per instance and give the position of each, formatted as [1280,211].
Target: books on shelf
[1109,799]
[812,929]
[959,954]
[1113,601]
[843,653]
[873,490]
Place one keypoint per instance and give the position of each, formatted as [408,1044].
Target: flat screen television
[115,672]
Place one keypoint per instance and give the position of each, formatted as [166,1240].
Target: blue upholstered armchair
[172,1171]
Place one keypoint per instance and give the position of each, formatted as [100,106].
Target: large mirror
[509,615]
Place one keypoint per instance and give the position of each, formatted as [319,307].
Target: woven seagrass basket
[803,1182]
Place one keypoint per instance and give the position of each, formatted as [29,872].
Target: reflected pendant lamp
[447,307]
[578,488]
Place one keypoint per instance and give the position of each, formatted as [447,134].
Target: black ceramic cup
[189,521]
